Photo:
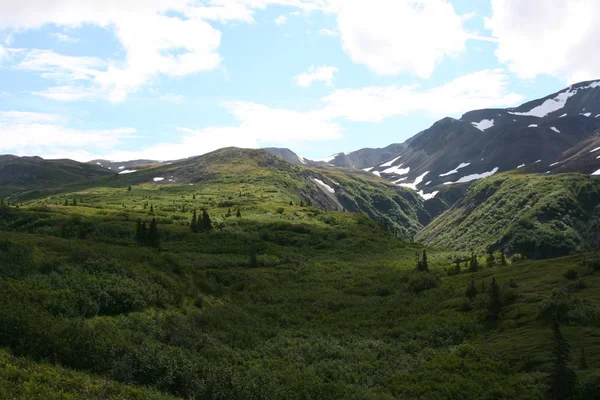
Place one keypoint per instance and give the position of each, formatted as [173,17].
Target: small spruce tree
[74,203]
[457,268]
[474,266]
[491,260]
[153,236]
[129,188]
[66,202]
[151,209]
[471,291]
[562,380]
[502,258]
[239,213]
[206,221]
[194,223]
[495,307]
[583,360]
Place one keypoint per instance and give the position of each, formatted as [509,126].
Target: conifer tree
[301,203]
[74,203]
[66,202]
[502,258]
[194,223]
[457,268]
[153,239]
[495,302]
[562,380]
[206,221]
[228,213]
[151,209]
[2,202]
[239,213]
[474,267]
[139,235]
[129,189]
[491,260]
[291,203]
[583,360]
[471,291]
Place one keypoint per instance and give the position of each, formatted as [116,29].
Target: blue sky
[167,79]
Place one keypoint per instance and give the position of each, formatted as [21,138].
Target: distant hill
[27,173]
[535,215]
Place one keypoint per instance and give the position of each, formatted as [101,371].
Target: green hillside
[19,174]
[110,289]
[534,215]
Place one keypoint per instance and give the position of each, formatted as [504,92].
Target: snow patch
[549,106]
[473,177]
[324,185]
[564,115]
[597,116]
[538,161]
[520,166]
[330,158]
[302,160]
[158,179]
[368,169]
[596,149]
[596,173]
[377,173]
[455,170]
[427,196]
[390,163]
[127,171]
[555,130]
[417,182]
[553,164]
[427,184]
[533,126]
[483,124]
[122,167]
[400,180]
[397,170]
[586,114]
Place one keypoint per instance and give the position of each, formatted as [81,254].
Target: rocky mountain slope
[484,142]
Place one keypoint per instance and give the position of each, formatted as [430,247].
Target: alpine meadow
[163,238]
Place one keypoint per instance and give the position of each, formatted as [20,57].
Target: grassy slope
[539,216]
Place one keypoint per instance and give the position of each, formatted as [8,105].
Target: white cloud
[323,73]
[557,37]
[483,89]
[61,37]
[69,93]
[328,32]
[258,126]
[48,135]
[400,36]
[282,19]
[59,67]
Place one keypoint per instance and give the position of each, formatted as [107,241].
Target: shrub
[571,274]
[421,281]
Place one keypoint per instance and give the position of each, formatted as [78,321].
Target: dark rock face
[534,135]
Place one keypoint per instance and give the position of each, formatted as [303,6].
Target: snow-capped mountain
[484,142]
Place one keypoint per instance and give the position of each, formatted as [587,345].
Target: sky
[168,79]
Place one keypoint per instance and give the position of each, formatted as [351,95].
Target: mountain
[328,188]
[27,173]
[117,166]
[484,142]
[539,216]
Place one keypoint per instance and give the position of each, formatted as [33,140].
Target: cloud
[400,36]
[48,135]
[328,32]
[282,19]
[323,73]
[557,37]
[61,37]
[69,93]
[58,67]
[483,89]
[258,126]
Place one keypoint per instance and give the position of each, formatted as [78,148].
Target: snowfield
[473,177]
[483,124]
[128,171]
[324,185]
[455,170]
[158,179]
[390,163]
[397,170]
[417,182]
[555,130]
